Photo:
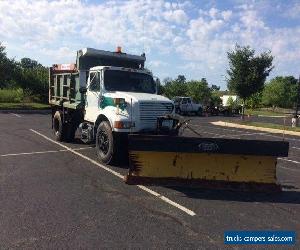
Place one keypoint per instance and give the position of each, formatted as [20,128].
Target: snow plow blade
[204,162]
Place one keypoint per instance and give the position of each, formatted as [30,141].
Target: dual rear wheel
[110,148]
[63,131]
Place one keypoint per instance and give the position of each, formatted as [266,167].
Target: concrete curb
[26,111]
[270,130]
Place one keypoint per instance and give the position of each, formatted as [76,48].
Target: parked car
[185,105]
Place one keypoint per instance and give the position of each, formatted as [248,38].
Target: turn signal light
[119,101]
[119,49]
[123,124]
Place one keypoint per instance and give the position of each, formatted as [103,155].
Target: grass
[11,95]
[267,112]
[30,105]
[268,125]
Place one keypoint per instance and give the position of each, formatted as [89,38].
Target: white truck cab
[126,97]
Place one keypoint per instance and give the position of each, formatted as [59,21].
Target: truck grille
[149,111]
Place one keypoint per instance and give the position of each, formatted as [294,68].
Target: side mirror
[82,90]
[156,80]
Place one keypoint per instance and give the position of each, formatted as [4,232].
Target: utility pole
[295,119]
[298,99]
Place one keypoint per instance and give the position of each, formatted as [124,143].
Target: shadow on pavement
[292,197]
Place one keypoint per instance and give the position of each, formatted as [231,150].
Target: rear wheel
[58,127]
[199,112]
[106,147]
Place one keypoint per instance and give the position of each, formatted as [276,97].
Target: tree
[199,91]
[254,101]
[215,87]
[174,88]
[8,69]
[280,92]
[247,72]
[27,63]
[181,79]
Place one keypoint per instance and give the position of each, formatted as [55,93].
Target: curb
[26,111]
[270,130]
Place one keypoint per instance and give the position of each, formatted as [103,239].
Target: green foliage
[280,92]
[230,102]
[254,101]
[11,95]
[28,75]
[247,72]
[8,70]
[215,99]
[199,91]
[174,88]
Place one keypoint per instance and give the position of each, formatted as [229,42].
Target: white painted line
[15,114]
[263,134]
[43,152]
[188,211]
[148,190]
[274,116]
[296,162]
[32,153]
[292,169]
[296,148]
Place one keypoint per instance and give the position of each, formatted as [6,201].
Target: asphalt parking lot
[56,196]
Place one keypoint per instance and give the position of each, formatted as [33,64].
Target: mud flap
[205,162]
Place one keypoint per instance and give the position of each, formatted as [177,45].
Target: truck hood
[138,96]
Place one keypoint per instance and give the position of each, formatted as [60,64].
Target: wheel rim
[56,126]
[103,142]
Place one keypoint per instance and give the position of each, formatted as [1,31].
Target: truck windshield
[115,80]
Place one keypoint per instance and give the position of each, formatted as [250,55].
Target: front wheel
[199,112]
[105,146]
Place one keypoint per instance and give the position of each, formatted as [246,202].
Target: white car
[185,105]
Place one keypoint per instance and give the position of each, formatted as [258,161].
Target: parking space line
[263,134]
[43,152]
[292,169]
[296,162]
[15,114]
[148,190]
[296,148]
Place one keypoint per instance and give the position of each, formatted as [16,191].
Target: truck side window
[94,82]
[189,101]
[184,101]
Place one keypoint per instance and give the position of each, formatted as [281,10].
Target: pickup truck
[107,95]
[185,105]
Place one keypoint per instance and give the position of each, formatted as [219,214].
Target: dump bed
[64,86]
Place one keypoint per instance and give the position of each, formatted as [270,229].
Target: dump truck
[111,99]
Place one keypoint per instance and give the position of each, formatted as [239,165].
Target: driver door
[183,105]
[92,96]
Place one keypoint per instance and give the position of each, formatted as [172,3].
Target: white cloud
[54,30]
[157,64]
[177,16]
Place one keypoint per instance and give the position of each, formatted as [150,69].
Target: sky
[190,38]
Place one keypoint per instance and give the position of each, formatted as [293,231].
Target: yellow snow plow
[204,162]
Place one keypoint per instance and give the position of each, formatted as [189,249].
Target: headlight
[124,124]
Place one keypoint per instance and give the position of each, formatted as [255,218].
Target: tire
[106,147]
[199,112]
[70,130]
[180,112]
[58,127]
